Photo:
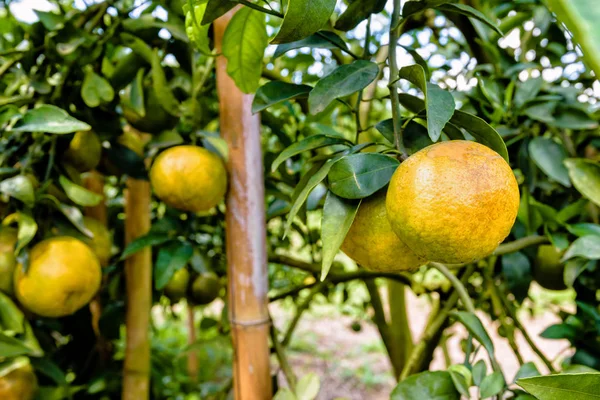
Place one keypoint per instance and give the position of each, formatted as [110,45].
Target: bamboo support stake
[138,277]
[245,236]
[94,181]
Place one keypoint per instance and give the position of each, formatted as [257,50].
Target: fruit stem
[393,85]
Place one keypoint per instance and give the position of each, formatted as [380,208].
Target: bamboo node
[256,322]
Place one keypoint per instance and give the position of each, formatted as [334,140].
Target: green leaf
[439,104]
[343,81]
[475,328]
[72,213]
[573,118]
[96,90]
[527,90]
[419,60]
[170,259]
[310,143]
[481,131]
[19,187]
[358,11]
[148,240]
[303,18]
[559,331]
[543,112]
[11,317]
[145,21]
[215,9]
[275,92]
[244,44]
[549,156]
[586,247]
[338,215]
[27,229]
[134,94]
[320,40]
[517,270]
[360,175]
[469,12]
[491,385]
[48,368]
[51,119]
[526,370]
[285,394]
[461,377]
[428,385]
[78,194]
[308,182]
[50,20]
[563,386]
[584,229]
[163,93]
[308,387]
[138,46]
[581,17]
[12,347]
[479,372]
[585,176]
[194,28]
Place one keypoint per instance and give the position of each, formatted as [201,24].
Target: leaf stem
[393,85]
[261,9]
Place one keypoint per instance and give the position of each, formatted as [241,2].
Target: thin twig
[393,85]
[303,306]
[281,358]
[345,49]
[512,313]
[520,244]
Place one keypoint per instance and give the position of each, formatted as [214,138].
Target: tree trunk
[400,330]
[138,276]
[245,236]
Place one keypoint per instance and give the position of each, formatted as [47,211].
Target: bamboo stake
[138,277]
[94,181]
[245,236]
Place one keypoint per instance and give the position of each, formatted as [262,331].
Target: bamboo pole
[94,181]
[138,279]
[245,236]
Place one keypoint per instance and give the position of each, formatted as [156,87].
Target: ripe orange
[18,383]
[372,243]
[189,178]
[63,275]
[453,202]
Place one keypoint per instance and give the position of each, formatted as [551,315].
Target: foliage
[338,114]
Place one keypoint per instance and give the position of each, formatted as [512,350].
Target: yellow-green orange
[453,202]
[372,243]
[8,262]
[63,275]
[205,288]
[101,242]
[189,178]
[177,287]
[548,271]
[84,151]
[19,383]
[155,118]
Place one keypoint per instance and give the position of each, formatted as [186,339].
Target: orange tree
[347,93]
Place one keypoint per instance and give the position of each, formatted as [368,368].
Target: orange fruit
[8,262]
[85,151]
[19,381]
[372,243]
[205,288]
[548,271]
[101,243]
[453,202]
[189,178]
[178,285]
[63,275]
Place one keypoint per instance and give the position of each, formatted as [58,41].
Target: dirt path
[353,365]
